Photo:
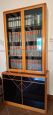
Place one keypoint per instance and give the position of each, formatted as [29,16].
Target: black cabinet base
[26,92]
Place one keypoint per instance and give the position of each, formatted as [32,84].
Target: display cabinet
[25,80]
[25,39]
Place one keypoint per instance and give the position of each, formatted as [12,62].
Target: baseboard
[50,97]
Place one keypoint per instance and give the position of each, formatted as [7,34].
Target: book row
[14,22]
[14,36]
[33,35]
[15,51]
[34,64]
[33,53]
[29,36]
[15,63]
[31,65]
[35,19]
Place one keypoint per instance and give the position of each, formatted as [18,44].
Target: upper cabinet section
[25,38]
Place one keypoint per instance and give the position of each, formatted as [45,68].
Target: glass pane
[33,38]
[14,40]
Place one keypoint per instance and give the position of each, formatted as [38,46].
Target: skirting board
[24,107]
[50,97]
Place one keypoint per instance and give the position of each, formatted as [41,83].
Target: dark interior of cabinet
[23,90]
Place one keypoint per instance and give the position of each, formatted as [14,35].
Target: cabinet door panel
[12,90]
[33,94]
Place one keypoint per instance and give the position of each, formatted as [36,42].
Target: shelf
[33,57]
[15,44]
[15,57]
[14,29]
[28,28]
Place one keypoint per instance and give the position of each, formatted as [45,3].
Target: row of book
[33,53]
[31,65]
[33,35]
[34,65]
[34,19]
[14,22]
[14,63]
[15,51]
[29,36]
[14,37]
[33,47]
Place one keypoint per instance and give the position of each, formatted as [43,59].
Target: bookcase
[25,36]
[25,80]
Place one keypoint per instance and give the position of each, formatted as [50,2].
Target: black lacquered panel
[12,90]
[18,78]
[33,94]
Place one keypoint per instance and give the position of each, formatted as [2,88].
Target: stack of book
[14,22]
[34,65]
[14,37]
[33,19]
[16,63]
[19,63]
[15,51]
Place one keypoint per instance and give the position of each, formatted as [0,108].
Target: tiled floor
[10,110]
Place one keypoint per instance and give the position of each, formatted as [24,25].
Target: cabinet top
[25,74]
[25,8]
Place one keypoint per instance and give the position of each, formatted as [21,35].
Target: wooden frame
[24,107]
[21,10]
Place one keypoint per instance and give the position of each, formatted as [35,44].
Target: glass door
[33,39]
[14,40]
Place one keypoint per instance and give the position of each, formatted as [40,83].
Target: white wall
[13,4]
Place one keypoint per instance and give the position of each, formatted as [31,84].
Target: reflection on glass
[39,44]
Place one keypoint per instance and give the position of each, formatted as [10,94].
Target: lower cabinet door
[12,90]
[33,93]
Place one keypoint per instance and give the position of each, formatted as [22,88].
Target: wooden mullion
[6,42]
[23,41]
